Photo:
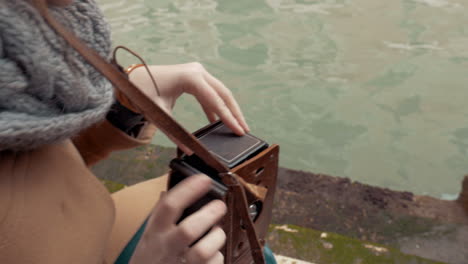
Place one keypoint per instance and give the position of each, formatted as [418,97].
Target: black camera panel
[230,149]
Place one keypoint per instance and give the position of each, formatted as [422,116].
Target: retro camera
[230,149]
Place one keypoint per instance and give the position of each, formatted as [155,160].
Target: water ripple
[372,90]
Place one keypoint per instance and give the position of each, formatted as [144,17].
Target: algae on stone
[112,186]
[329,248]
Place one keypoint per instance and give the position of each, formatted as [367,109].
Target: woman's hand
[164,242]
[192,78]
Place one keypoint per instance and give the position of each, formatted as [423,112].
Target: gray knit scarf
[47,91]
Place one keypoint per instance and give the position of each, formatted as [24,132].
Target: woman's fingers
[228,99]
[208,247]
[171,206]
[211,100]
[217,259]
[209,114]
[194,226]
[192,78]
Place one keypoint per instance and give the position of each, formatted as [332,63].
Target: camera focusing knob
[253,211]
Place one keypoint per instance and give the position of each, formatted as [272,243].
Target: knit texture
[47,91]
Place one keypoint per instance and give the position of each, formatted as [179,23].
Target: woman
[58,116]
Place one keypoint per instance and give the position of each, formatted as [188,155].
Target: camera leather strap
[231,180]
[163,121]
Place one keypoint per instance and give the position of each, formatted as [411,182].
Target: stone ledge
[417,225]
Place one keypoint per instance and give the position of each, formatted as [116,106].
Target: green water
[372,90]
